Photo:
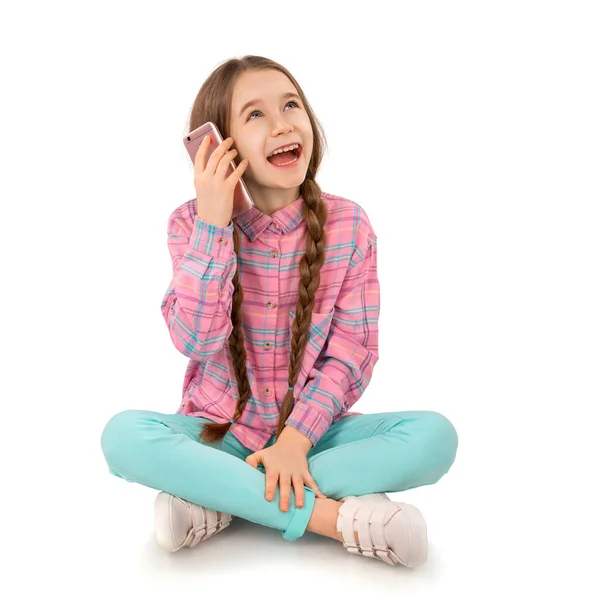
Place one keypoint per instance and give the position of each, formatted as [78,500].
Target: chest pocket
[320,324]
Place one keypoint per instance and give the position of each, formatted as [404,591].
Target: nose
[282,126]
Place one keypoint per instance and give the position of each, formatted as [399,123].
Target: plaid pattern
[342,347]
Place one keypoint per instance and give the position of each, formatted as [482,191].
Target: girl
[278,313]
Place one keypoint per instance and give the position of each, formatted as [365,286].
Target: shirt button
[267,391]
[271,304]
[223,242]
[267,346]
[274,253]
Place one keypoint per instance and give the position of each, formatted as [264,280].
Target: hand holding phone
[242,200]
[214,191]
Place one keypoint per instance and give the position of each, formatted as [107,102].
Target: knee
[433,437]
[117,433]
[442,436]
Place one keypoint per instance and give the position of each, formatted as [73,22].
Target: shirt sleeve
[345,365]
[197,304]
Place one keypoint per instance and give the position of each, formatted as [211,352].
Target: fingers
[284,491]
[299,491]
[312,484]
[226,162]
[239,171]
[271,485]
[200,158]
[286,480]
[217,155]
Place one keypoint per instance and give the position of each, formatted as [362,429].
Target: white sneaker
[179,523]
[394,532]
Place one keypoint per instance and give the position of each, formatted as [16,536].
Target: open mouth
[286,159]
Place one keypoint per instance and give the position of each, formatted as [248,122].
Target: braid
[215,432]
[315,217]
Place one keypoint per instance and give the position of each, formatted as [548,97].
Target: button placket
[267,345]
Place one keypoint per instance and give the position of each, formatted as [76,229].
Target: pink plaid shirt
[342,347]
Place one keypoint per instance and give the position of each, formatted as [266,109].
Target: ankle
[323,520]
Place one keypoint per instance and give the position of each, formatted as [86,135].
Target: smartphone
[242,201]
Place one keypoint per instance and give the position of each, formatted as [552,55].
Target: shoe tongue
[282,157]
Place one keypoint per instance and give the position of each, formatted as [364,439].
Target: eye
[258,111]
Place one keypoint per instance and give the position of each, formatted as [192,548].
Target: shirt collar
[253,222]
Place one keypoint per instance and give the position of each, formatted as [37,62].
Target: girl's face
[270,121]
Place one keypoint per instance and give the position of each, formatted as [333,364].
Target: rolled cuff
[300,516]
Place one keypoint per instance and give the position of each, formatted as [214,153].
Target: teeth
[286,149]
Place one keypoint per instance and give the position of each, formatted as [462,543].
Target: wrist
[293,437]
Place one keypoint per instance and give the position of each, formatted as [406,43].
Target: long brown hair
[213,103]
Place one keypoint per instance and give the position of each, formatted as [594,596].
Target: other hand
[288,465]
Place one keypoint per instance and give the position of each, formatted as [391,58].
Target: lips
[297,152]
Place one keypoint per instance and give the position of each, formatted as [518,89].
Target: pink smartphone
[242,201]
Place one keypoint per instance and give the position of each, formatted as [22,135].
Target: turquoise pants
[359,454]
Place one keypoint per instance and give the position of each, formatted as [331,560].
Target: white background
[468,131]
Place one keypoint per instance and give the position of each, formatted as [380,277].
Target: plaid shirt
[342,346]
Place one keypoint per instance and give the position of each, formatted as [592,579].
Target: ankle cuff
[300,516]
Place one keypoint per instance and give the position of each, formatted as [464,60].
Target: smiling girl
[277,311]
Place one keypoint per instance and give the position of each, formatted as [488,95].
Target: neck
[270,200]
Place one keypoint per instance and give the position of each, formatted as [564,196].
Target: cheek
[307,152]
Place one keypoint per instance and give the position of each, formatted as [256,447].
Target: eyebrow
[258,101]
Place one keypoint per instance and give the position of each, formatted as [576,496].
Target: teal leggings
[359,454]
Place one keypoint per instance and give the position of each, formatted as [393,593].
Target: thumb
[252,460]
